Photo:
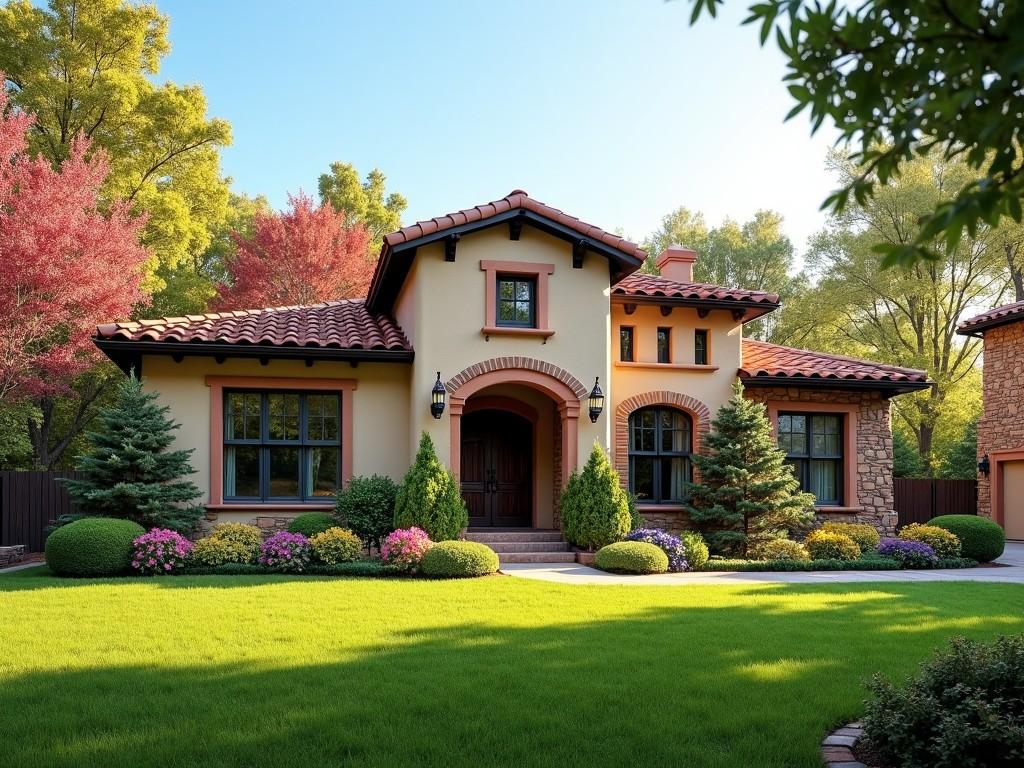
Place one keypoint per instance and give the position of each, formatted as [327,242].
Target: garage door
[1013,499]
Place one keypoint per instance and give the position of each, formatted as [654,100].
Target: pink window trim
[540,272]
[996,474]
[217,385]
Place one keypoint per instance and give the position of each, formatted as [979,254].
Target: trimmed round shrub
[964,708]
[696,549]
[92,546]
[944,543]
[631,557]
[783,549]
[669,544]
[285,551]
[367,506]
[309,524]
[459,559]
[909,554]
[823,545]
[981,539]
[336,545]
[160,551]
[404,549]
[865,536]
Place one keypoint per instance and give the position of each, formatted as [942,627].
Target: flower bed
[875,563]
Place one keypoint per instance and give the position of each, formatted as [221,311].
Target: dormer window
[517,301]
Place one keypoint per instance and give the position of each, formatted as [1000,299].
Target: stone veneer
[12,555]
[1001,427]
[268,524]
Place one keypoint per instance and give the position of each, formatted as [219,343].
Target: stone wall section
[1001,427]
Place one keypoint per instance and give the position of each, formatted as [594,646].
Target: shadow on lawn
[754,684]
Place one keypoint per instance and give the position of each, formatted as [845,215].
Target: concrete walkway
[569,573]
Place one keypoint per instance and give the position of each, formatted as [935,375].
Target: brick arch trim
[697,410]
[521,363]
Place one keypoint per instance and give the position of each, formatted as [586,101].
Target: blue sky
[616,112]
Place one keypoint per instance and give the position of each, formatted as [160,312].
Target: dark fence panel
[918,501]
[29,501]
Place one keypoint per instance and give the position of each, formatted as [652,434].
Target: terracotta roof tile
[764,360]
[333,325]
[655,286]
[1008,313]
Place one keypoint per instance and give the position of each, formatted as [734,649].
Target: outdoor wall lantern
[437,398]
[595,401]
[983,466]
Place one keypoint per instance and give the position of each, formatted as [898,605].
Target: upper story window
[517,301]
[626,344]
[660,444]
[700,347]
[813,443]
[664,345]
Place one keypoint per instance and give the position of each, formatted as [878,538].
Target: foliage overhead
[901,80]
[362,202]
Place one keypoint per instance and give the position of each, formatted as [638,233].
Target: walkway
[567,573]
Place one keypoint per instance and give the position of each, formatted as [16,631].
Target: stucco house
[1001,427]
[512,311]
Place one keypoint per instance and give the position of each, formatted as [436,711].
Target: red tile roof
[655,286]
[762,360]
[333,325]
[1008,313]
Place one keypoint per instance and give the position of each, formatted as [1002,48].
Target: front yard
[297,671]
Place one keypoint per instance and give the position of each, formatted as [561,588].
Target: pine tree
[429,497]
[595,510]
[128,471]
[747,494]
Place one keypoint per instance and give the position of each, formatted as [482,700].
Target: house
[1001,427]
[514,314]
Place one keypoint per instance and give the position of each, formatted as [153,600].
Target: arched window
[660,443]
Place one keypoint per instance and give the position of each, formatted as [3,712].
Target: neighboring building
[1001,427]
[521,308]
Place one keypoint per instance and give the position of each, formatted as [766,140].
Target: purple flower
[286,551]
[669,544]
[909,554]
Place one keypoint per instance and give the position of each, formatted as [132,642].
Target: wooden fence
[918,501]
[29,501]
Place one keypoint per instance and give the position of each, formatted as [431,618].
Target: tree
[302,256]
[86,68]
[362,203]
[429,497]
[595,509]
[961,461]
[747,494]
[906,461]
[902,80]
[129,471]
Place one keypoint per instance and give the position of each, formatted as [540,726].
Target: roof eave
[890,388]
[977,330]
[754,309]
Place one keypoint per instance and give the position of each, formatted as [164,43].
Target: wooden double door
[497,468]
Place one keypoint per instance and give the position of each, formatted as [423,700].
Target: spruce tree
[429,497]
[128,472]
[748,495]
[594,508]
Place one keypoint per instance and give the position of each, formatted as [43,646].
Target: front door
[497,456]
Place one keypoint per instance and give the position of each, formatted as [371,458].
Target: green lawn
[306,671]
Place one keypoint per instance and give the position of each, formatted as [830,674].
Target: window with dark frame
[813,443]
[660,444]
[517,301]
[626,343]
[664,345]
[281,445]
[700,347]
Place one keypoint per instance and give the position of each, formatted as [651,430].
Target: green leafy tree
[362,202]
[902,79]
[594,508]
[429,497]
[906,461]
[129,471]
[747,494]
[960,461]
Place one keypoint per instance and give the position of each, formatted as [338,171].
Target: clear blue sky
[616,112]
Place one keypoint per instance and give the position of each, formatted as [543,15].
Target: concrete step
[525,535]
[537,557]
[527,546]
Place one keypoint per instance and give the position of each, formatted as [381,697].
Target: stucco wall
[1001,427]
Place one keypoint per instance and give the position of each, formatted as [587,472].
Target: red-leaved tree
[301,256]
[65,264]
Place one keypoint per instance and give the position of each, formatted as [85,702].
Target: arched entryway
[498,455]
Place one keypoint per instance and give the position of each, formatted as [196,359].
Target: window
[700,347]
[517,304]
[626,343]
[664,345]
[813,443]
[281,446]
[660,443]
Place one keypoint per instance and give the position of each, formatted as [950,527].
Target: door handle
[492,481]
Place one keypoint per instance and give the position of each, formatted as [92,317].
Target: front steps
[525,546]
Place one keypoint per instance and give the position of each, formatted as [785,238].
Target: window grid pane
[814,448]
[516,304]
[700,347]
[626,344]
[660,443]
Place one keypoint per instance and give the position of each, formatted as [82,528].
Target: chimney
[676,263]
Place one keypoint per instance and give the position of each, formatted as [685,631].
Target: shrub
[285,551]
[671,545]
[594,507]
[160,551]
[696,549]
[865,536]
[964,708]
[367,507]
[631,557]
[405,548]
[944,543]
[429,497]
[458,559]
[909,554]
[980,538]
[311,523]
[228,543]
[336,545]
[212,552]
[783,549]
[823,545]
[92,546]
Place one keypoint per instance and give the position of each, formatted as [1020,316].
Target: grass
[297,671]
